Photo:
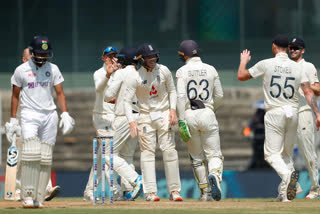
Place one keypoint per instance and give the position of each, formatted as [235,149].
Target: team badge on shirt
[48,74]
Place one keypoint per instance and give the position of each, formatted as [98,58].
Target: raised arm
[113,87]
[243,73]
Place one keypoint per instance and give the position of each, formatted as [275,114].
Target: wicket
[103,171]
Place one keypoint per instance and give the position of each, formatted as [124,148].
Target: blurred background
[79,30]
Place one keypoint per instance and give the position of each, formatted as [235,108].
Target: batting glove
[184,131]
[66,123]
[12,128]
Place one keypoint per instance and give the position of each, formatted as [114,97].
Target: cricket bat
[11,171]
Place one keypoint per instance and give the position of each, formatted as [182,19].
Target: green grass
[189,206]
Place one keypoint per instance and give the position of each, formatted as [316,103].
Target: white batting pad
[45,174]
[29,178]
[31,149]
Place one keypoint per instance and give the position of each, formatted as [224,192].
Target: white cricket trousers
[205,140]
[306,142]
[158,131]
[280,135]
[123,151]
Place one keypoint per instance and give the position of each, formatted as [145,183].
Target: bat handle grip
[14,139]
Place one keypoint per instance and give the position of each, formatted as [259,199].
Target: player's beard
[296,56]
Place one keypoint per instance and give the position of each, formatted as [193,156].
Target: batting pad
[45,173]
[147,163]
[46,153]
[29,178]
[171,167]
[201,175]
[31,149]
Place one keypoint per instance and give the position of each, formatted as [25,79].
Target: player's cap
[41,44]
[146,50]
[297,42]
[128,52]
[189,48]
[109,50]
[281,40]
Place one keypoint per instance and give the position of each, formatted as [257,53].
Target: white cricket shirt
[281,80]
[116,87]
[155,91]
[37,85]
[198,80]
[100,84]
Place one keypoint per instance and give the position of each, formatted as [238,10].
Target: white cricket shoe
[206,197]
[53,192]
[282,198]
[28,203]
[38,204]
[17,195]
[138,187]
[175,196]
[88,196]
[292,185]
[215,187]
[313,194]
[152,197]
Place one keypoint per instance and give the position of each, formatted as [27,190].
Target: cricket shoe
[292,185]
[175,196]
[215,187]
[299,189]
[28,203]
[138,187]
[88,196]
[313,194]
[17,195]
[38,204]
[53,192]
[282,198]
[152,197]
[206,197]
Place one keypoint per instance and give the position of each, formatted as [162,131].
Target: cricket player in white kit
[103,114]
[306,127]
[156,96]
[199,94]
[50,190]
[35,80]
[124,145]
[282,79]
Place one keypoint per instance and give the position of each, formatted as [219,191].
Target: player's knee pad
[46,153]
[147,156]
[31,149]
[170,155]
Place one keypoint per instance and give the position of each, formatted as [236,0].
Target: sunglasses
[294,48]
[109,49]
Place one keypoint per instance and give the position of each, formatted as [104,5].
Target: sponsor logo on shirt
[32,75]
[37,84]
[153,91]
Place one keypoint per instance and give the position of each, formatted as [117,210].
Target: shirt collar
[193,59]
[282,55]
[301,61]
